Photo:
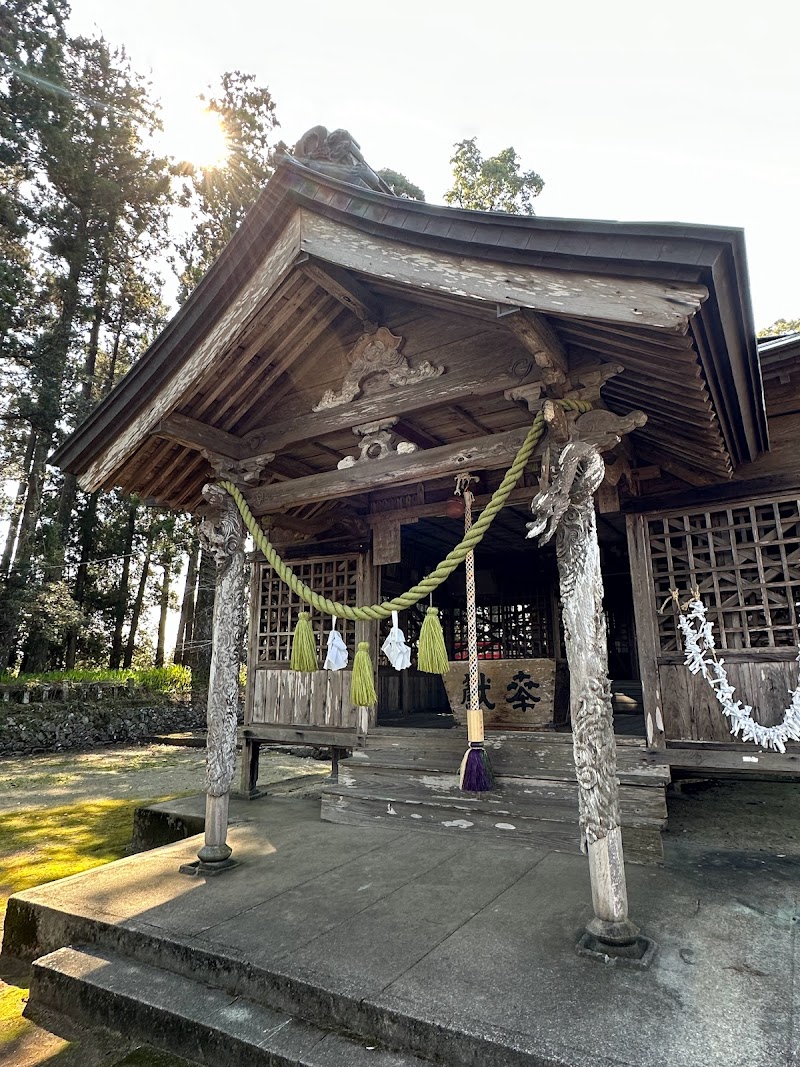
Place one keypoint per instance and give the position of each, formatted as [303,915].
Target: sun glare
[200,140]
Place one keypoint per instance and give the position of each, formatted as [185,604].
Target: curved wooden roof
[270,326]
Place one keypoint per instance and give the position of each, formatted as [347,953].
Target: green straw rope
[442,571]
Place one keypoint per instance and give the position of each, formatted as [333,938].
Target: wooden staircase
[409,776]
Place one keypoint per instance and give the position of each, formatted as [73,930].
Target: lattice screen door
[275,693]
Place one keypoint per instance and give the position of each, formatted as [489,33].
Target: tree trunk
[166,562]
[184,638]
[52,361]
[201,625]
[17,508]
[137,607]
[69,491]
[121,604]
[88,527]
[11,600]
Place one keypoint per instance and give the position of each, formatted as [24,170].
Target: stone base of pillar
[616,942]
[639,954]
[215,855]
[207,869]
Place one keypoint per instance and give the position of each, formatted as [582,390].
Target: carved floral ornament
[376,366]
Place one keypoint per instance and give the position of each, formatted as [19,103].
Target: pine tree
[220,197]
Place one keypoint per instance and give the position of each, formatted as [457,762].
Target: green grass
[39,846]
[42,845]
[172,679]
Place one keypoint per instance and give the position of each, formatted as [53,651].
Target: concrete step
[183,1016]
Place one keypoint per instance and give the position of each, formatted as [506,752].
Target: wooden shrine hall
[347,356]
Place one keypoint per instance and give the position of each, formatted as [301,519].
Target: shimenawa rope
[437,576]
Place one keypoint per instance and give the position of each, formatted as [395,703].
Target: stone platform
[338,945]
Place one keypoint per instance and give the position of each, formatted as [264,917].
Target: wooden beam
[667,305]
[437,509]
[406,399]
[342,286]
[482,453]
[198,435]
[535,334]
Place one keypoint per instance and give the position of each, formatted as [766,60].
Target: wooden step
[498,817]
[543,798]
[521,755]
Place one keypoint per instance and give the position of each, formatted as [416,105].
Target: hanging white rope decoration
[702,659]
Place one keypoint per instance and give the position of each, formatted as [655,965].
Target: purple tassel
[476,771]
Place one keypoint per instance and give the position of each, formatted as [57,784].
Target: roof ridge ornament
[337,154]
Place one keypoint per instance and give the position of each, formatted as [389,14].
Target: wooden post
[567,509]
[221,533]
[645,620]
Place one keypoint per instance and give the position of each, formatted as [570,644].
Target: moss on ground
[39,846]
[42,845]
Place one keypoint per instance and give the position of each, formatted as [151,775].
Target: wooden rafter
[342,286]
[536,335]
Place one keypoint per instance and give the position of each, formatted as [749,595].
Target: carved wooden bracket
[377,442]
[600,428]
[604,429]
[587,382]
[557,422]
[526,394]
[377,365]
[239,471]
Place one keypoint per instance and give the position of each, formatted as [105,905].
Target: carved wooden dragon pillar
[565,508]
[222,533]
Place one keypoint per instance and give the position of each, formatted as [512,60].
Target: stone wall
[52,726]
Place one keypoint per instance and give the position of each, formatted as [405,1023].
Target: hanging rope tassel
[475,773]
[362,684]
[432,654]
[304,647]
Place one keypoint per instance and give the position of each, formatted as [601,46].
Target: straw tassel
[432,654]
[362,683]
[304,647]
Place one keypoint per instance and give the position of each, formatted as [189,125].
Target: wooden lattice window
[745,559]
[336,578]
[505,631]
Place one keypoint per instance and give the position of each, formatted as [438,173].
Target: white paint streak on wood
[641,301]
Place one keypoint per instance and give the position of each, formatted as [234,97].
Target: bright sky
[681,111]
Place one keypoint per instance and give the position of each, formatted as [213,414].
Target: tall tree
[400,184]
[780,327]
[183,641]
[493,184]
[98,199]
[220,196]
